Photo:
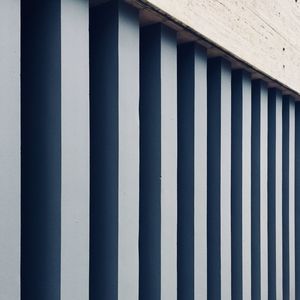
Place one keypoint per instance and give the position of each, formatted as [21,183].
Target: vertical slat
[291,200]
[219,179]
[114,70]
[168,165]
[200,173]
[158,194]
[41,149]
[246,187]
[264,191]
[192,135]
[259,205]
[297,198]
[275,194]
[241,185]
[278,209]
[10,204]
[128,152]
[150,165]
[75,150]
[285,193]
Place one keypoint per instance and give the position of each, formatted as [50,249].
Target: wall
[262,33]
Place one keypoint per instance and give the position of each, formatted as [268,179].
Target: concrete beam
[261,33]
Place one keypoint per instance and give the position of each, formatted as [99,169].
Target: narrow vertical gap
[236,185]
[186,197]
[41,149]
[104,151]
[256,190]
[285,194]
[150,164]
[297,197]
[272,193]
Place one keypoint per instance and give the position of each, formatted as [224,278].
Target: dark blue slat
[186,106]
[150,163]
[41,149]
[271,194]
[297,197]
[236,185]
[285,195]
[256,190]
[104,152]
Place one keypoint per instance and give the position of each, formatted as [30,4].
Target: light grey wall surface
[225,178]
[75,150]
[168,165]
[128,153]
[10,226]
[246,186]
[264,192]
[278,197]
[200,185]
[292,202]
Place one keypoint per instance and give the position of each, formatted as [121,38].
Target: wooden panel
[261,33]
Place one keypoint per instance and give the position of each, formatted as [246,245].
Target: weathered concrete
[262,33]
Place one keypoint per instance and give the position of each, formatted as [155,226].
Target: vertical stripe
[241,185]
[219,179]
[191,172]
[114,152]
[168,165]
[292,200]
[246,188]
[297,198]
[225,198]
[285,193]
[278,209]
[150,153]
[200,179]
[271,194]
[158,179]
[259,205]
[103,152]
[186,161]
[275,194]
[41,149]
[10,204]
[75,151]
[264,261]
[237,185]
[128,152]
